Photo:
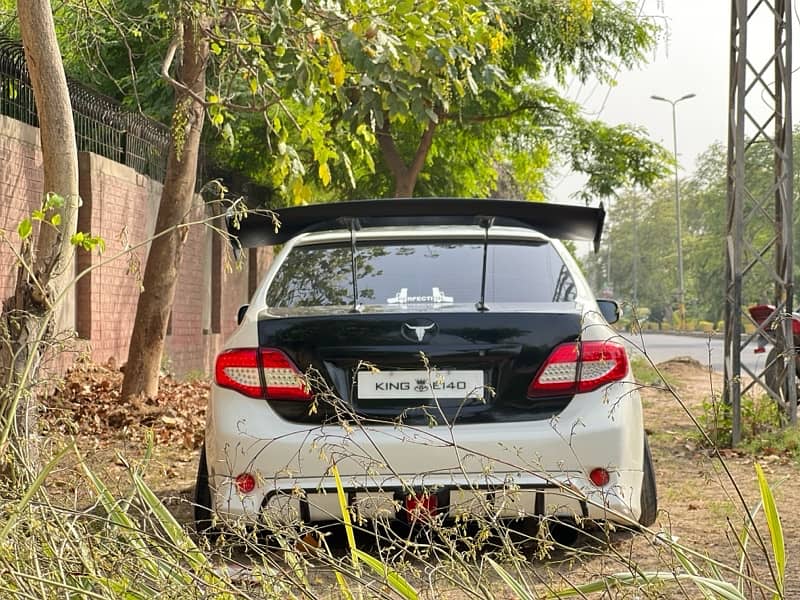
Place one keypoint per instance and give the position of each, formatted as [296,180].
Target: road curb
[699,334]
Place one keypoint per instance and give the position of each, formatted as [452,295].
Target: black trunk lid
[403,355]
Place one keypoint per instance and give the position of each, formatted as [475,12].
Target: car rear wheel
[775,378]
[649,499]
[202,497]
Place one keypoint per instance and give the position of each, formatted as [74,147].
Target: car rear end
[466,370]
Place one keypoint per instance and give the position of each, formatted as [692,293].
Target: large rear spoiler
[561,221]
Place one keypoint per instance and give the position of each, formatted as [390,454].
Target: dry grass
[699,507]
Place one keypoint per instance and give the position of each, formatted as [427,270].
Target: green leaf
[336,69]
[55,220]
[775,528]
[53,200]
[473,87]
[24,229]
[38,215]
[227,134]
[325,174]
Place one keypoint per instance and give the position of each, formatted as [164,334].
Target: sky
[692,57]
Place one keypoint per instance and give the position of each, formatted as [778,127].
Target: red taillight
[260,373]
[238,370]
[578,367]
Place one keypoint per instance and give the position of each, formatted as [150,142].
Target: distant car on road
[445,362]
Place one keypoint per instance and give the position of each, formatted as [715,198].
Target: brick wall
[186,349]
[118,205]
[215,300]
[121,205]
[22,188]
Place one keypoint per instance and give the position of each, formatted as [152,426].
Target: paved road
[661,347]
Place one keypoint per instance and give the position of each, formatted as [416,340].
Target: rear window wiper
[484,222]
[353,225]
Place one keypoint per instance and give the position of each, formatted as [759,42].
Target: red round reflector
[599,477]
[245,483]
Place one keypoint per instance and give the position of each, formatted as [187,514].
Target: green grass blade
[295,564]
[392,577]
[198,561]
[348,527]
[722,589]
[744,540]
[31,492]
[176,534]
[691,569]
[511,582]
[775,528]
[117,515]
[348,524]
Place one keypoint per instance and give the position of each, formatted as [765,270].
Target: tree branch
[486,118]
[391,155]
[422,150]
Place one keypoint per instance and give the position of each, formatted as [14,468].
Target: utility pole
[752,85]
[681,287]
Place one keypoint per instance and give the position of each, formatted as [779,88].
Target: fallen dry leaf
[88,404]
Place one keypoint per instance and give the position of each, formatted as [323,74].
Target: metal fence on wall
[102,125]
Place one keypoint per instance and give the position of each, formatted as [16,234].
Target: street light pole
[681,289]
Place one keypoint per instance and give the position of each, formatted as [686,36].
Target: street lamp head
[673,102]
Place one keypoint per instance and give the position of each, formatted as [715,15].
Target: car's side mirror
[241,312]
[610,310]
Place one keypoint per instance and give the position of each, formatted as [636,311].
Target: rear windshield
[421,273]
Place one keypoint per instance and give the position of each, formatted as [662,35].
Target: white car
[445,362]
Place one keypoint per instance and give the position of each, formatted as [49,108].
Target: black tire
[775,376]
[649,497]
[203,515]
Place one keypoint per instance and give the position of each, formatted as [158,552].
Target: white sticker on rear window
[437,297]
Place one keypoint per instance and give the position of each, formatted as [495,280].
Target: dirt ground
[699,505]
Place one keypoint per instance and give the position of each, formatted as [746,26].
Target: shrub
[705,326]
[760,416]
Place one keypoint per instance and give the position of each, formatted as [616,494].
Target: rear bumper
[506,470]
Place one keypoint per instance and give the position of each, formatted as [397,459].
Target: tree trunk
[26,323]
[164,259]
[405,176]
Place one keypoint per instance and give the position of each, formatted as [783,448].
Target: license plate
[420,384]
